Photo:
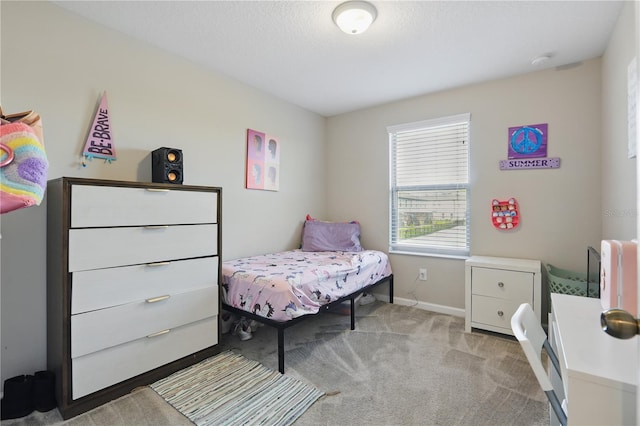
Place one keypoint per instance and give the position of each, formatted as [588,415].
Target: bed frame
[283,325]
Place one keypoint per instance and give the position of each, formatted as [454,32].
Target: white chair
[532,338]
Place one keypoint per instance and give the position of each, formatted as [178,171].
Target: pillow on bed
[330,236]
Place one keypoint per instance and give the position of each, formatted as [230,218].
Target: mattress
[286,285]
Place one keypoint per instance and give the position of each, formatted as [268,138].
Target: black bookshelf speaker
[167,165]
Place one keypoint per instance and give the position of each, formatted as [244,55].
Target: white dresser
[132,288]
[599,372]
[495,287]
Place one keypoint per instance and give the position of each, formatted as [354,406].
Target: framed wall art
[263,161]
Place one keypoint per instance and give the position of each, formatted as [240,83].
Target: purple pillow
[331,236]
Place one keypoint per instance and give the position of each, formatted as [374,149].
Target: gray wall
[559,208]
[155,100]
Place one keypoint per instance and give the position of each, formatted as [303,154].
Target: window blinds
[429,186]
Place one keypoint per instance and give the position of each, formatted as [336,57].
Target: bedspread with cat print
[286,285]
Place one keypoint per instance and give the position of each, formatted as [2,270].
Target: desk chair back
[527,329]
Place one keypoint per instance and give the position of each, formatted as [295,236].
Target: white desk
[599,372]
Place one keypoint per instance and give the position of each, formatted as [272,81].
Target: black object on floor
[44,391]
[17,400]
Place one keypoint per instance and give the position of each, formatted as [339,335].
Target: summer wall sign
[527,148]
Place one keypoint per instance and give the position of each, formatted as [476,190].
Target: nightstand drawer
[103,288]
[94,248]
[504,284]
[493,311]
[103,206]
[104,328]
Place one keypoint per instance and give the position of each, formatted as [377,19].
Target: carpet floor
[401,366]
[404,366]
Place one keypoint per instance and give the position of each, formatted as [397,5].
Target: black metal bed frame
[282,325]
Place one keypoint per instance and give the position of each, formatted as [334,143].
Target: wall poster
[263,161]
[99,142]
[527,148]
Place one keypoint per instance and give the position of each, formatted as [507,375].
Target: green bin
[570,282]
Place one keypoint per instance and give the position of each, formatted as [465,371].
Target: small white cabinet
[495,287]
[133,284]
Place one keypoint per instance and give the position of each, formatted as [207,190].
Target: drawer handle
[500,284]
[159,264]
[157,190]
[500,313]
[159,333]
[158,299]
[156,227]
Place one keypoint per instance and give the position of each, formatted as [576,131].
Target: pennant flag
[100,140]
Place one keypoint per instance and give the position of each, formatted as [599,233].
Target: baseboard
[441,309]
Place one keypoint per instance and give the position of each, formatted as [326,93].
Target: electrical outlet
[422,274]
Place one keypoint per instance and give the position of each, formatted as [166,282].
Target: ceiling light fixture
[354,17]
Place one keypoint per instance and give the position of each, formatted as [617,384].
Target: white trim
[440,255]
[427,251]
[441,309]
[452,119]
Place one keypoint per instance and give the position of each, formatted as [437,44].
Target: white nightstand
[495,287]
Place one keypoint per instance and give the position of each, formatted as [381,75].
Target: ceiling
[293,50]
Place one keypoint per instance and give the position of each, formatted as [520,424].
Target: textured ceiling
[293,50]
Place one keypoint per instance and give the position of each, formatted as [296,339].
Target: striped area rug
[228,389]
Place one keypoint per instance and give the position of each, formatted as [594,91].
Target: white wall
[560,208]
[619,210]
[59,64]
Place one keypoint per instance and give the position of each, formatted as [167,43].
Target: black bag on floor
[17,400]
[44,391]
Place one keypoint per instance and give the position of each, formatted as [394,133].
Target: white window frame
[426,248]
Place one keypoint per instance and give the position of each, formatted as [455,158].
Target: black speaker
[167,166]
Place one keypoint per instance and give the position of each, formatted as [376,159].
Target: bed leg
[281,350]
[353,314]
[391,289]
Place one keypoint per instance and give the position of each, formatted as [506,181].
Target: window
[430,186]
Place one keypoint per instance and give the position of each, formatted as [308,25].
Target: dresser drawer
[504,284]
[102,288]
[110,366]
[102,206]
[96,330]
[494,312]
[94,248]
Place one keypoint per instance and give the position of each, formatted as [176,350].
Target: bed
[285,288]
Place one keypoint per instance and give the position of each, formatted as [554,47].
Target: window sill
[439,255]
